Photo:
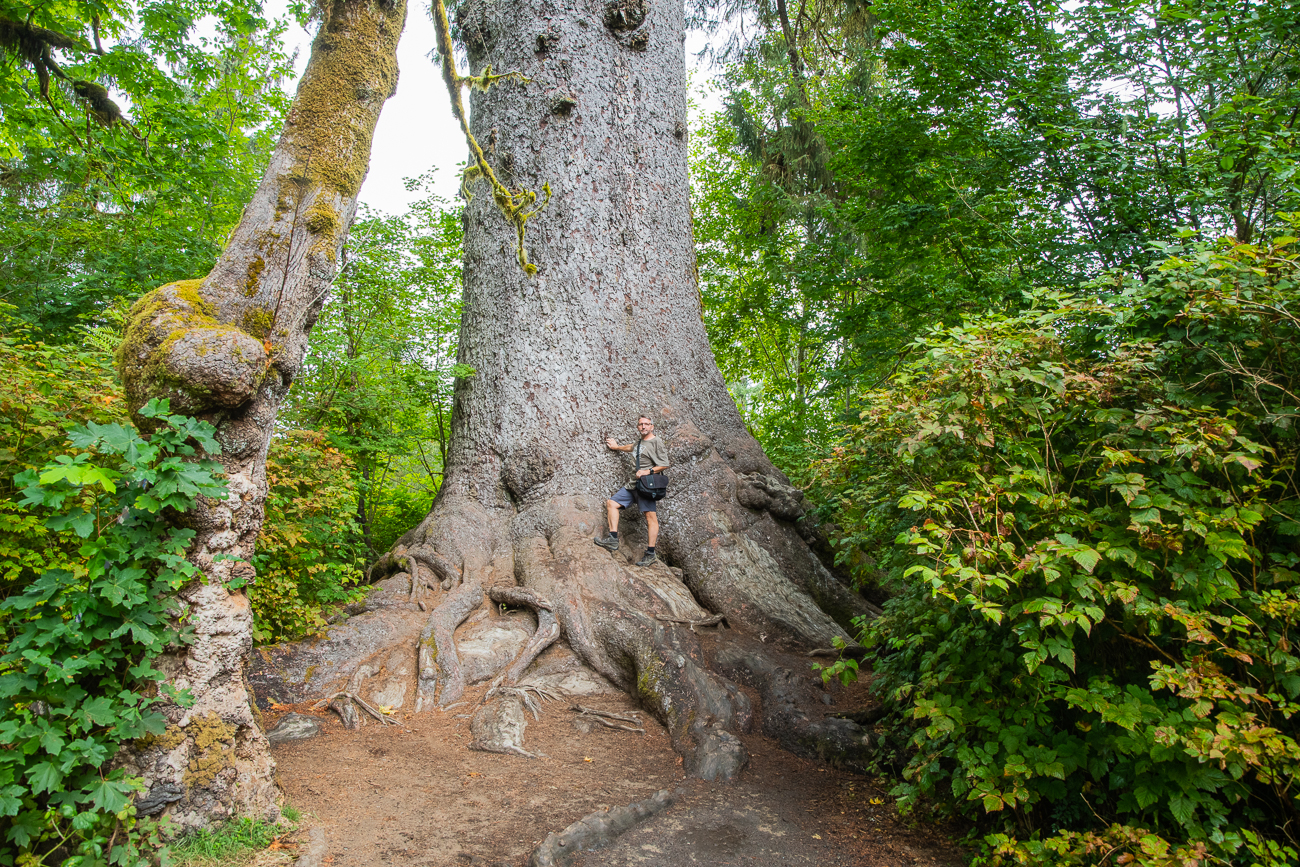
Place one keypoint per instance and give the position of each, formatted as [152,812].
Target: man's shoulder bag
[652,485]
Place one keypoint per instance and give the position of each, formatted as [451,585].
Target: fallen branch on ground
[604,717]
[360,702]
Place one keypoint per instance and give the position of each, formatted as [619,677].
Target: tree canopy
[133,136]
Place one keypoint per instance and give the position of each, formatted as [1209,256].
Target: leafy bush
[1095,509]
[310,554]
[406,502]
[76,674]
[45,391]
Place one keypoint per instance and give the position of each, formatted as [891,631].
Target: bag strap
[637,459]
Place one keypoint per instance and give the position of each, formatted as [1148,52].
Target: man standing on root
[651,456]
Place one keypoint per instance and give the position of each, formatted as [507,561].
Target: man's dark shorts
[626,497]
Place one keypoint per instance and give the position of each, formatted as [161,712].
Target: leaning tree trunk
[225,348]
[609,327]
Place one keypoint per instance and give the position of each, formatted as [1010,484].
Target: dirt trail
[416,795]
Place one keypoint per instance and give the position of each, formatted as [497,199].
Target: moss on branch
[176,348]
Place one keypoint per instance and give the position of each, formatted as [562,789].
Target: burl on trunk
[608,328]
[225,348]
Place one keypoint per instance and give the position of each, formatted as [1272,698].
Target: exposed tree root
[410,559]
[608,614]
[852,651]
[346,701]
[835,740]
[438,661]
[531,696]
[626,624]
[715,620]
[334,701]
[605,718]
[547,628]
[498,727]
[519,597]
[596,830]
[342,705]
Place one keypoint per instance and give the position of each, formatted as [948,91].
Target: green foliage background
[93,211]
[959,269]
[1095,507]
[1009,286]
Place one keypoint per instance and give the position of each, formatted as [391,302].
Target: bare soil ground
[414,794]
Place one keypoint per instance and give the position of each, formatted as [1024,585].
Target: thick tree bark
[609,328]
[225,348]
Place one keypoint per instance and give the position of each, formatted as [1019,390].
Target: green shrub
[76,673]
[399,509]
[45,391]
[310,554]
[1094,505]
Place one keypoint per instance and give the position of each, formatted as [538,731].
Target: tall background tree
[1042,183]
[882,167]
[573,329]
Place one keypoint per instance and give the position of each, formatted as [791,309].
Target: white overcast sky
[416,130]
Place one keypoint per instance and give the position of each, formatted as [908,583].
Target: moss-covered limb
[209,345]
[31,41]
[519,205]
[352,71]
[284,253]
[225,348]
[174,347]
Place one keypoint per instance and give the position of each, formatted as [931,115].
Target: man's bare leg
[652,525]
[610,540]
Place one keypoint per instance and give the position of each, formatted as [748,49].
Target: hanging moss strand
[517,206]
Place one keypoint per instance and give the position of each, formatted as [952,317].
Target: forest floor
[414,794]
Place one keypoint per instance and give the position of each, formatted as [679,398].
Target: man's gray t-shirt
[648,453]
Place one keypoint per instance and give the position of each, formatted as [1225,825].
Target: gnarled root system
[637,627]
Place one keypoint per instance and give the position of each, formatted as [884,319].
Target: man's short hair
[645,416]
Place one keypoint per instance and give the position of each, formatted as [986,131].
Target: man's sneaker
[609,543]
[648,559]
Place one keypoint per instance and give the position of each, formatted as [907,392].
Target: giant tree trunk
[608,328]
[225,348]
